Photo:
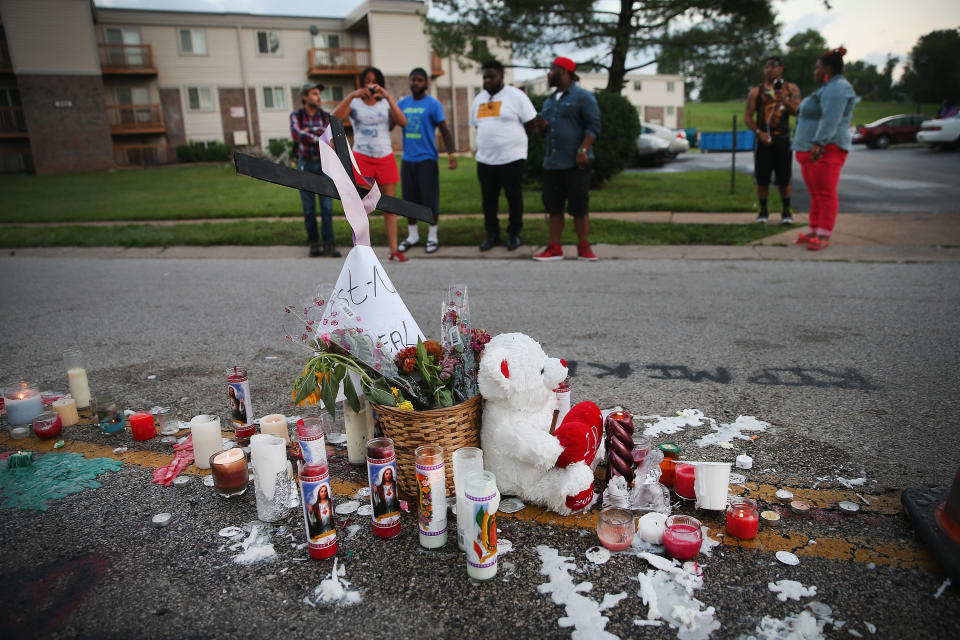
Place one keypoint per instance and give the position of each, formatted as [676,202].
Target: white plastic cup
[711,484]
[465,460]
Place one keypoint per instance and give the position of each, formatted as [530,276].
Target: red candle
[47,425]
[742,519]
[230,474]
[682,537]
[685,476]
[141,424]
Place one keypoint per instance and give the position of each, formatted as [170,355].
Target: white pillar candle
[268,456]
[207,439]
[465,460]
[23,403]
[275,424]
[431,496]
[66,408]
[79,387]
[357,434]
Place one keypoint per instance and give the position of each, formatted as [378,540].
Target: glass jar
[682,537]
[671,453]
[743,520]
[615,528]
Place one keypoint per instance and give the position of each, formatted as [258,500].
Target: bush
[194,151]
[277,146]
[614,150]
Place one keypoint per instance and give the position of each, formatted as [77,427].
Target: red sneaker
[804,238]
[396,256]
[552,252]
[584,252]
[816,244]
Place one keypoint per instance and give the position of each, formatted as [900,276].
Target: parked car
[677,139]
[943,133]
[890,130]
[652,149]
[693,136]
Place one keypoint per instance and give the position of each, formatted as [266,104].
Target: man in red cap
[570,121]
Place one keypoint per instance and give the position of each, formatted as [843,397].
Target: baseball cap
[308,86]
[568,64]
[776,59]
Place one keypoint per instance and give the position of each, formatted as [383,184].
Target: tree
[932,72]
[803,50]
[615,37]
[868,81]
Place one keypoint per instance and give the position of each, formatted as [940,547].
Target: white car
[677,139]
[943,133]
[652,149]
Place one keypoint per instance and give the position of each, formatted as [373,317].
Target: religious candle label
[241,408]
[384,497]
[313,449]
[318,519]
[431,495]
[481,532]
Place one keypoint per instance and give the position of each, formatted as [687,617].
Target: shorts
[420,182]
[775,157]
[566,185]
[383,170]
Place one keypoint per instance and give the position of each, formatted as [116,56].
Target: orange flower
[407,359]
[434,349]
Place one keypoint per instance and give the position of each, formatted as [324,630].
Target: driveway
[902,179]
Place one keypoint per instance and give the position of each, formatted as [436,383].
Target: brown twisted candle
[618,429]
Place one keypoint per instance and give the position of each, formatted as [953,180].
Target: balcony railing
[12,123]
[141,154]
[126,58]
[5,63]
[337,60]
[135,118]
[16,161]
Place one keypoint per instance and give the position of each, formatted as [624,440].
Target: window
[671,87]
[273,98]
[199,99]
[268,42]
[670,110]
[193,41]
[133,95]
[332,94]
[638,85]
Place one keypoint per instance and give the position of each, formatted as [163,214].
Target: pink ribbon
[355,209]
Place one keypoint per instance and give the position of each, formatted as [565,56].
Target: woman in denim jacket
[821,142]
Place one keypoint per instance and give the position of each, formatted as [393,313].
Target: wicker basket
[451,428]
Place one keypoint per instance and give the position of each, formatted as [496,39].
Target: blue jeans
[310,206]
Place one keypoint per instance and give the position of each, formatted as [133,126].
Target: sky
[869,29]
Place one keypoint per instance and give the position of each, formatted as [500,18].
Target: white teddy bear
[516,380]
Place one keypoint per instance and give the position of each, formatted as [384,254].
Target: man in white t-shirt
[503,117]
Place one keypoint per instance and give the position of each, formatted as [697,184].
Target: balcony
[6,66]
[12,123]
[127,59]
[337,61]
[126,155]
[135,118]
[436,65]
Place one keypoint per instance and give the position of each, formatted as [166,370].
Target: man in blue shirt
[419,171]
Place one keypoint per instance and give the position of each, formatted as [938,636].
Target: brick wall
[74,136]
[255,118]
[462,136]
[173,118]
[232,98]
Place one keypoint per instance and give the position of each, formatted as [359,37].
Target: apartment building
[657,97]
[84,87]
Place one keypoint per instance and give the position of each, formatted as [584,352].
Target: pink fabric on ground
[165,475]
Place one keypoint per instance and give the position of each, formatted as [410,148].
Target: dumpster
[723,140]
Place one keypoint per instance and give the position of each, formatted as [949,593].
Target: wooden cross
[322,185]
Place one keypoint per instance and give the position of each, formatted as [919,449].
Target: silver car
[652,149]
[677,140]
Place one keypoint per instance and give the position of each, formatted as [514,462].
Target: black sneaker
[487,244]
[786,219]
[315,251]
[330,250]
[763,218]
[513,243]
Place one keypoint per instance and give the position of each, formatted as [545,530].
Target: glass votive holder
[230,472]
[109,414]
[19,431]
[334,429]
[685,479]
[169,421]
[22,402]
[743,519]
[615,528]
[47,425]
[641,448]
[682,537]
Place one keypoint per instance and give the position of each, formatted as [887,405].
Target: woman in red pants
[821,141]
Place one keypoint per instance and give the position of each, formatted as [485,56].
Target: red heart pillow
[579,434]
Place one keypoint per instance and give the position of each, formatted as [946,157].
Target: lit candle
[66,408]
[77,376]
[20,459]
[431,496]
[686,474]
[615,528]
[682,537]
[268,456]
[207,438]
[23,402]
[483,498]
[743,521]
[109,415]
[230,475]
[275,424]
[47,425]
[141,424]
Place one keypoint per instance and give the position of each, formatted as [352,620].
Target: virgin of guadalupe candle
[313,448]
[207,439]
[66,408]
[384,496]
[483,499]
[77,376]
[465,460]
[318,519]
[431,496]
[142,427]
[743,521]
[241,409]
[230,474]
[23,402]
[275,424]
[272,482]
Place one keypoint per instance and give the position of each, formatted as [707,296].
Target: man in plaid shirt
[307,126]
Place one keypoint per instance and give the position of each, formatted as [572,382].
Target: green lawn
[185,192]
[718,116]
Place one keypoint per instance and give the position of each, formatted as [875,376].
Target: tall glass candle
[743,521]
[668,466]
[241,408]
[66,408]
[169,421]
[318,519]
[431,496]
[682,537]
[686,473]
[313,447]
[75,364]
[275,424]
[272,482]
[207,439]
[142,426]
[384,490]
[230,474]
[358,433]
[480,536]
[465,461]
[23,402]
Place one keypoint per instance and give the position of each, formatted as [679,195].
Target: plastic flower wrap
[462,344]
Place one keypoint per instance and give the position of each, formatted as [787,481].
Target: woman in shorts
[373,113]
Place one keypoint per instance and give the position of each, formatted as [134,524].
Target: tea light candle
[23,402]
[651,527]
[615,528]
[799,507]
[742,519]
[848,507]
[784,496]
[207,438]
[66,408]
[686,474]
[141,424]
[47,425]
[230,474]
[275,424]
[744,461]
[770,519]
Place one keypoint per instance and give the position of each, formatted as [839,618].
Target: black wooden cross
[278,174]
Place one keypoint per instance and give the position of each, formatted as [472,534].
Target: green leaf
[308,384]
[379,396]
[421,351]
[351,394]
[444,398]
[328,393]
[338,372]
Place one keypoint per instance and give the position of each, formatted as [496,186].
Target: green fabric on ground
[52,476]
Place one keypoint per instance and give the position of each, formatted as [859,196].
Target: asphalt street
[853,365]
[901,179]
